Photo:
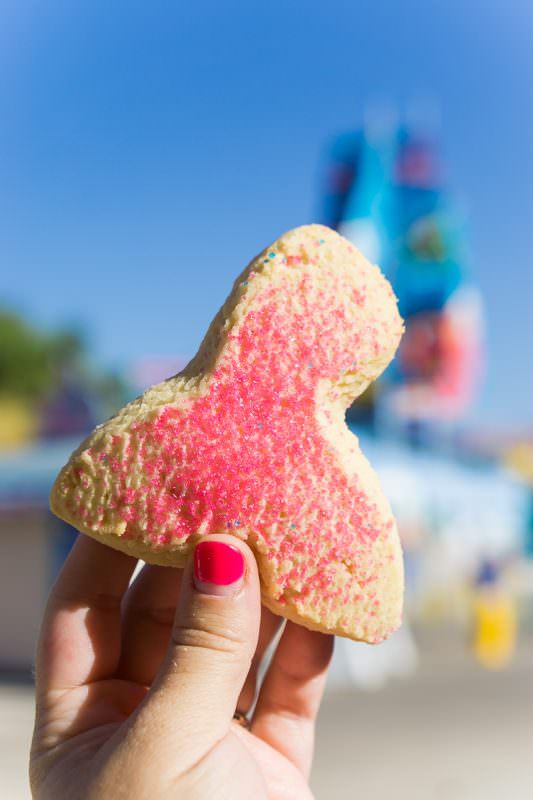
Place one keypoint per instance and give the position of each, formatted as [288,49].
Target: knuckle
[159,617]
[201,639]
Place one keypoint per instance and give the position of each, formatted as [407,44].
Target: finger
[286,783]
[148,613]
[270,625]
[291,694]
[213,640]
[80,635]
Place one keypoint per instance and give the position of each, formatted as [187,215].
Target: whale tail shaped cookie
[250,439]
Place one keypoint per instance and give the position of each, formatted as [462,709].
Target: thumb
[214,637]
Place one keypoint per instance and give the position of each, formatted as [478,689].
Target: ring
[242,720]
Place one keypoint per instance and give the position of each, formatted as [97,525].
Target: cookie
[250,439]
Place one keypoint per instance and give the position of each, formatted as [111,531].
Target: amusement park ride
[385,191]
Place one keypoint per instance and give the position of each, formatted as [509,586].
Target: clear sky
[149,149]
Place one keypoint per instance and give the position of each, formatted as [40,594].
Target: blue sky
[148,150]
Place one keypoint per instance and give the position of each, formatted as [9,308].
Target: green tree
[30,360]
[24,360]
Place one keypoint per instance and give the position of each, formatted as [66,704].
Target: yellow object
[495,628]
[18,423]
[519,458]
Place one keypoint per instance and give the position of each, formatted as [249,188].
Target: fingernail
[218,568]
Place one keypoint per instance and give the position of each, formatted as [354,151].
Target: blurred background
[147,152]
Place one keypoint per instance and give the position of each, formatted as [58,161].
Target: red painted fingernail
[218,568]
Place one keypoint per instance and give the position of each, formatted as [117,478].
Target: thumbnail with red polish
[218,567]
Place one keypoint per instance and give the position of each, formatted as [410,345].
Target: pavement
[451,732]
[16,721]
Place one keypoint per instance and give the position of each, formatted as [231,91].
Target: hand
[135,699]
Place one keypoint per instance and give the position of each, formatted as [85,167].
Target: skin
[137,686]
